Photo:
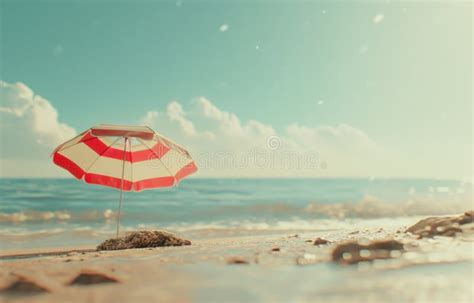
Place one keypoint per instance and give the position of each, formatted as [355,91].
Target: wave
[367,207]
[373,207]
[26,216]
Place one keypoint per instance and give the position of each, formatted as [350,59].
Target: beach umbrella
[128,158]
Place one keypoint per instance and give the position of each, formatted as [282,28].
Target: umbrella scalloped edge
[113,182]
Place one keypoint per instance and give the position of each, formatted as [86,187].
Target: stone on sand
[353,252]
[142,239]
[320,241]
[237,260]
[442,226]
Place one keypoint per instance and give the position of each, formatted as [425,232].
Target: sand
[278,266]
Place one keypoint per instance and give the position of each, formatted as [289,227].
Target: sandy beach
[231,266]
[248,151]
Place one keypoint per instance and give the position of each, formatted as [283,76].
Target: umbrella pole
[121,187]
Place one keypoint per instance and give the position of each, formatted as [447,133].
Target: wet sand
[225,266]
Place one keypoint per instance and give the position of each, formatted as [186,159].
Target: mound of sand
[92,277]
[142,239]
[24,285]
[443,226]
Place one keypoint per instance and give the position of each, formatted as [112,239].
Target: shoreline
[36,253]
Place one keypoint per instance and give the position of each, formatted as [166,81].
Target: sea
[45,213]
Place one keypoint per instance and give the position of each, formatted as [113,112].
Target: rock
[354,252]
[142,239]
[237,260]
[24,285]
[320,241]
[441,226]
[92,277]
[276,249]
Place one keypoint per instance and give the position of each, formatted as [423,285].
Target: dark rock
[91,277]
[237,260]
[320,241]
[142,239]
[26,286]
[354,252]
[441,226]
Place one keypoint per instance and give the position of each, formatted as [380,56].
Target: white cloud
[223,145]
[224,27]
[378,18]
[30,128]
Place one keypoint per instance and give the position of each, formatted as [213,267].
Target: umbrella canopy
[101,154]
[129,158]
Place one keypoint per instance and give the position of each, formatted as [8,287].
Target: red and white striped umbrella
[129,158]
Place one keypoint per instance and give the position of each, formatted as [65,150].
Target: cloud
[341,136]
[223,145]
[29,123]
[176,114]
[378,18]
[224,27]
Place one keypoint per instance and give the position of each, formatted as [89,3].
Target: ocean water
[65,212]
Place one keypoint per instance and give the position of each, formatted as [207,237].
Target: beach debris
[306,259]
[309,241]
[357,251]
[256,258]
[237,260]
[308,256]
[320,241]
[143,239]
[441,226]
[354,232]
[275,249]
[88,277]
[24,285]
[293,236]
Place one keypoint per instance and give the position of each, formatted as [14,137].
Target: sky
[251,88]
